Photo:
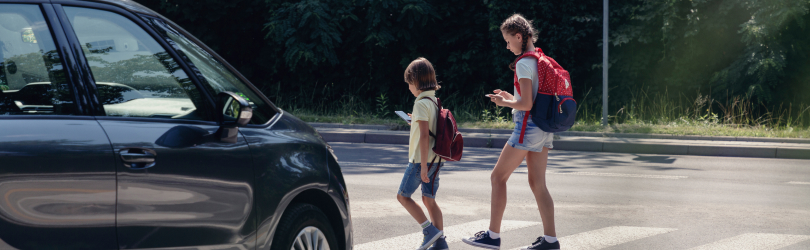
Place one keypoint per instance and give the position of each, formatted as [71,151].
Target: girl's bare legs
[509,160]
[413,209]
[537,162]
[434,211]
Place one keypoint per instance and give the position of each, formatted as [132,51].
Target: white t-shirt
[527,68]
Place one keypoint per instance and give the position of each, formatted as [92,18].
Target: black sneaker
[482,239]
[542,244]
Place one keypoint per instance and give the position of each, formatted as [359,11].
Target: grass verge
[646,113]
[674,128]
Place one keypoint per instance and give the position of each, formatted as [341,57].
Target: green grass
[695,129]
[683,128]
[646,113]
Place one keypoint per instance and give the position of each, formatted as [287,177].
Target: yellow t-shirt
[423,110]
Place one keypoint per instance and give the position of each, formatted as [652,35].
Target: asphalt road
[602,200]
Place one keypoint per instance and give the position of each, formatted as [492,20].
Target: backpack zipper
[563,100]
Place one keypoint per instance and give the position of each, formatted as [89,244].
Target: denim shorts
[534,139]
[413,178]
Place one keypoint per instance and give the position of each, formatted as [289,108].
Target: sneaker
[482,239]
[432,234]
[441,244]
[542,244]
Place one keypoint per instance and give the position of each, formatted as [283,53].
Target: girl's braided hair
[518,24]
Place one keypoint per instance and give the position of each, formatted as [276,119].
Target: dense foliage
[323,54]
[319,53]
[754,48]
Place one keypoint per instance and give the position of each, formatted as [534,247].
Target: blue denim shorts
[413,178]
[534,139]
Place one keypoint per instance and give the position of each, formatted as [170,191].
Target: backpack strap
[439,165]
[439,109]
[534,54]
[537,53]
[439,106]
[433,179]
[523,127]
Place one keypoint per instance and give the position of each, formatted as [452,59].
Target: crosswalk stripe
[646,176]
[755,241]
[453,233]
[608,237]
[524,170]
[798,183]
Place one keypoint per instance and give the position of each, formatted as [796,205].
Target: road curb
[792,153]
[583,134]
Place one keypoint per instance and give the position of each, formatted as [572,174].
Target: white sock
[550,239]
[493,235]
[425,224]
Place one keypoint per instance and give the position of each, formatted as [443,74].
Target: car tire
[303,221]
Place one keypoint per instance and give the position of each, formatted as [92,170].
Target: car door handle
[138,158]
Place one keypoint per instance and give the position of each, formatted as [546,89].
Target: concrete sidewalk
[596,142]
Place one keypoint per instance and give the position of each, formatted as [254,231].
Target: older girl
[517,31]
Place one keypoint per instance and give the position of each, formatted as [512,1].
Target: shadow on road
[362,158]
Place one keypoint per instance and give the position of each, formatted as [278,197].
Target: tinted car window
[215,75]
[134,75]
[32,78]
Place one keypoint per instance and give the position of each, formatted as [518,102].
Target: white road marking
[647,176]
[608,237]
[453,233]
[755,241]
[451,205]
[798,183]
[524,170]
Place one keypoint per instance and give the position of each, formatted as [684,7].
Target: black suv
[119,130]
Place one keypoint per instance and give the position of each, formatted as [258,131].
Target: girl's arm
[424,144]
[524,103]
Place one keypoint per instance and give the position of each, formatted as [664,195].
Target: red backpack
[449,143]
[554,109]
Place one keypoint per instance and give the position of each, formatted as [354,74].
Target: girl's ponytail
[519,24]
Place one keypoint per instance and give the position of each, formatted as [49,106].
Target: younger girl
[534,146]
[421,79]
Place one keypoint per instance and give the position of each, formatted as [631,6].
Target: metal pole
[605,65]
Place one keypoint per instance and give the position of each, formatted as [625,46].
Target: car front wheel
[304,227]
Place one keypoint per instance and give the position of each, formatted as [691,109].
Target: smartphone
[404,116]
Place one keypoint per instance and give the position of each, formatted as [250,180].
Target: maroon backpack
[449,143]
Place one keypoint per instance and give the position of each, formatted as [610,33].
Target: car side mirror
[235,112]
